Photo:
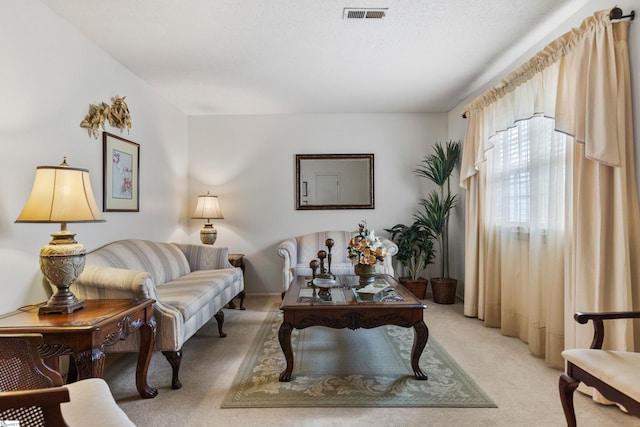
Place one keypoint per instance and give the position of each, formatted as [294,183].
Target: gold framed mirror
[334,181]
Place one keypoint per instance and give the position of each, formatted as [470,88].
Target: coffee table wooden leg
[420,337]
[147,339]
[284,336]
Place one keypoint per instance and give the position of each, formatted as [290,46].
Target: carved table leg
[147,339]
[284,336]
[90,363]
[420,337]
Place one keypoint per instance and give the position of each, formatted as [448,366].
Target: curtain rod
[616,13]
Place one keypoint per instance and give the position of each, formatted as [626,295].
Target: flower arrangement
[365,248]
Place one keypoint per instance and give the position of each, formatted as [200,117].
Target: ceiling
[301,56]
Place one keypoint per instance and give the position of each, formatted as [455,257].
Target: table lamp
[208,208]
[61,194]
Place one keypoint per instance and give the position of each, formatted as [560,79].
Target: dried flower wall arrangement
[117,114]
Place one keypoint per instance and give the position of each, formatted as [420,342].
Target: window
[526,175]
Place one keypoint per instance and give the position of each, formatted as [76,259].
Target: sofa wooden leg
[567,386]
[174,358]
[242,295]
[231,305]
[220,319]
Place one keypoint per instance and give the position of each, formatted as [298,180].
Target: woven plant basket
[444,290]
[417,287]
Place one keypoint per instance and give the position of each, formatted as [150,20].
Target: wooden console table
[84,334]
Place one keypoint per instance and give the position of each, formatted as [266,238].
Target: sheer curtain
[525,228]
[552,217]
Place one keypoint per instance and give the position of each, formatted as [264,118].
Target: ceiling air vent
[363,13]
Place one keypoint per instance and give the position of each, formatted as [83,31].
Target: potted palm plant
[415,253]
[436,209]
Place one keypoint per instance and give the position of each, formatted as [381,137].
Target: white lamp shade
[208,207]
[61,194]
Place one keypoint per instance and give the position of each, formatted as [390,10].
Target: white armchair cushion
[620,369]
[92,404]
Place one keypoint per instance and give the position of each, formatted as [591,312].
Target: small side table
[84,333]
[237,260]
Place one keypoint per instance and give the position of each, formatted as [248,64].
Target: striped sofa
[299,250]
[190,284]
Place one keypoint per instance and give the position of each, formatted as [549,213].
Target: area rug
[341,367]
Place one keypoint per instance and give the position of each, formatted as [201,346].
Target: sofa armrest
[205,257]
[391,247]
[113,283]
[288,250]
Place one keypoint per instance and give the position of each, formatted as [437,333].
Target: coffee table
[304,306]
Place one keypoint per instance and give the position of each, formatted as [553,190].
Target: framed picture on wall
[120,174]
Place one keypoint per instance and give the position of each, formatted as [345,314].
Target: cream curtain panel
[524,223]
[586,255]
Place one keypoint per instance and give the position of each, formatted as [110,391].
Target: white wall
[249,161]
[49,75]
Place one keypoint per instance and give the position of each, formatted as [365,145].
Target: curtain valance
[573,79]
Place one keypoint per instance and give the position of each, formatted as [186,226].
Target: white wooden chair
[615,374]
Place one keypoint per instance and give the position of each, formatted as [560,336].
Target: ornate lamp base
[61,303]
[62,263]
[208,234]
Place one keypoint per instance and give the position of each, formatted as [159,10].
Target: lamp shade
[61,194]
[208,207]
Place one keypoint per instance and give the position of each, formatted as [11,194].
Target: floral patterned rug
[341,367]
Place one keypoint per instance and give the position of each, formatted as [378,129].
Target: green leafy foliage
[415,247]
[437,206]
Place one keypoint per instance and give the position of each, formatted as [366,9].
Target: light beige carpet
[342,367]
[523,387]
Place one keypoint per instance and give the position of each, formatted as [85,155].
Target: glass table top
[347,289]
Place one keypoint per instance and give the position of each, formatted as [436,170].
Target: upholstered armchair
[34,395]
[615,374]
[299,250]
